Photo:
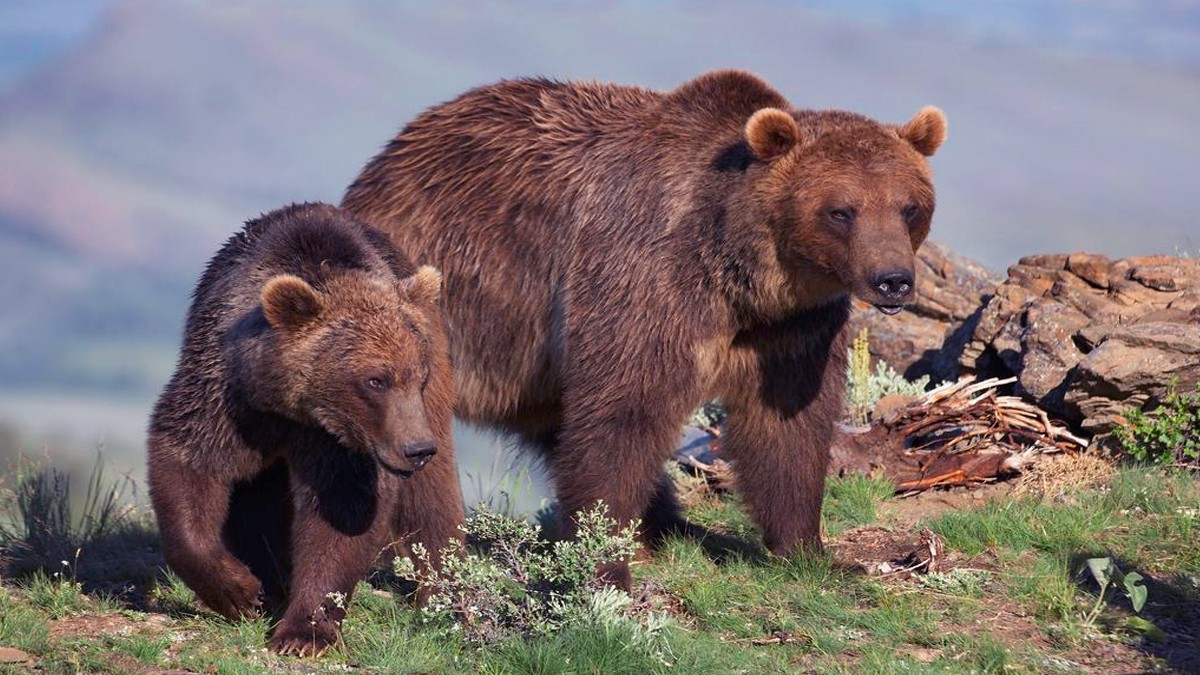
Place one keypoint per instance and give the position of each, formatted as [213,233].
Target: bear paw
[303,638]
[238,595]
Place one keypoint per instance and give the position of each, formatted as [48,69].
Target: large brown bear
[614,256]
[313,383]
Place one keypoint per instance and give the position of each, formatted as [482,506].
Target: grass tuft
[851,501]
[104,539]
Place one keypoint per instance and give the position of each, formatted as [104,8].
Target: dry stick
[956,477]
[911,428]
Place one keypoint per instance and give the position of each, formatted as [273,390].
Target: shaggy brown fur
[313,382]
[614,255]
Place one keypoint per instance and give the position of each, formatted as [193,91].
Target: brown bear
[313,384]
[612,256]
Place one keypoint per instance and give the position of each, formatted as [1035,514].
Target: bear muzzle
[892,290]
[420,453]
[407,458]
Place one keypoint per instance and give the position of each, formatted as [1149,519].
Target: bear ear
[926,131]
[423,287]
[771,132]
[289,302]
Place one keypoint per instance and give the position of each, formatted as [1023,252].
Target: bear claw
[304,637]
[302,642]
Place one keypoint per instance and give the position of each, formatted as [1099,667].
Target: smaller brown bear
[313,383]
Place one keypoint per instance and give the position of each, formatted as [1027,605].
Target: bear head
[355,357]
[848,199]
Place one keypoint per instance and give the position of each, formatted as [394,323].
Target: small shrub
[511,583]
[1168,435]
[106,537]
[960,581]
[865,387]
[710,415]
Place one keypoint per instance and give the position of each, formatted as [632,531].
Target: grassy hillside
[1011,593]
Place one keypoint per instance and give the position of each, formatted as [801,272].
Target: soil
[907,510]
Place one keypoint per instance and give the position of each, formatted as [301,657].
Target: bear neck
[737,245]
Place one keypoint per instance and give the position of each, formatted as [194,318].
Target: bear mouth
[890,310]
[394,470]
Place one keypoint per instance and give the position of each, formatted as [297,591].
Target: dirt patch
[896,554]
[90,626]
[652,597]
[907,510]
[904,556]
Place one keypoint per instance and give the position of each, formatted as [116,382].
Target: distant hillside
[125,162]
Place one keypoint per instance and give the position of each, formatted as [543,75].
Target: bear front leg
[191,507]
[614,440]
[342,515]
[784,396]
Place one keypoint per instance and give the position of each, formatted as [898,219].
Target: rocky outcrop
[1088,337]
[950,289]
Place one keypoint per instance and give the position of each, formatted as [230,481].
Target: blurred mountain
[126,159]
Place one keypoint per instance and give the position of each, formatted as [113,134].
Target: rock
[1088,337]
[950,289]
[1090,267]
[1050,262]
[1049,351]
[1158,277]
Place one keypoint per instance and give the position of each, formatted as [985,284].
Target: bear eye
[842,216]
[377,384]
[909,213]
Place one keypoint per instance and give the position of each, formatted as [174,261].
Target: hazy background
[136,135]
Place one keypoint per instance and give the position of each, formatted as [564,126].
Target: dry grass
[1053,476]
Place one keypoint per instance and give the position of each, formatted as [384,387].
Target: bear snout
[405,458]
[892,289]
[419,452]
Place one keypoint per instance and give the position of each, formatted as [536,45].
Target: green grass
[55,595]
[1018,560]
[851,502]
[22,626]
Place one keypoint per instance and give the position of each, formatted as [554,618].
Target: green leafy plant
[58,594]
[1107,575]
[513,583]
[865,386]
[1169,434]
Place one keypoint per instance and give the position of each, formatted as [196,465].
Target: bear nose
[894,285]
[419,452]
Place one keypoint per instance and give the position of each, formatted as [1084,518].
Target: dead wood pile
[960,433]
